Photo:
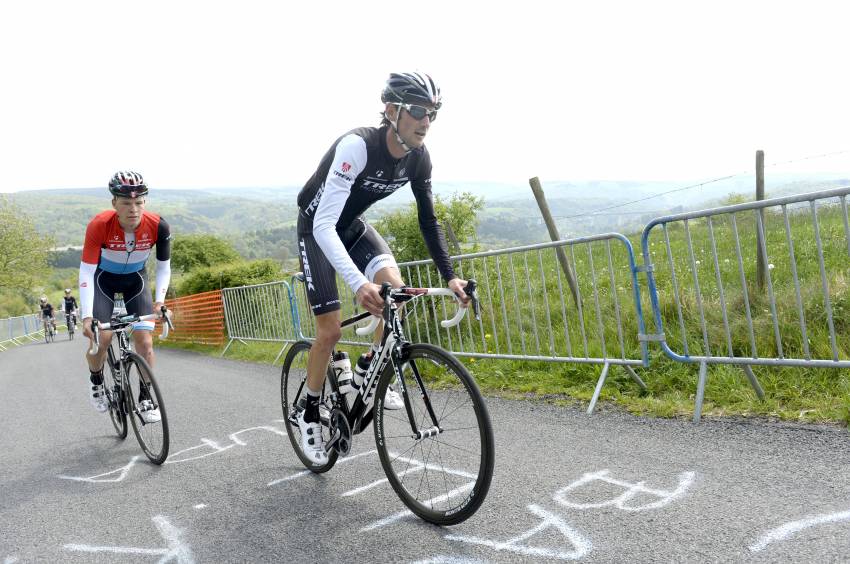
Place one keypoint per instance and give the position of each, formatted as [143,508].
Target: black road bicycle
[71,323]
[49,330]
[437,452]
[130,386]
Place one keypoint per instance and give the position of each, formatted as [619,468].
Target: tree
[24,253]
[401,228]
[192,251]
[241,273]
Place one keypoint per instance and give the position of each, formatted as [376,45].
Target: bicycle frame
[390,347]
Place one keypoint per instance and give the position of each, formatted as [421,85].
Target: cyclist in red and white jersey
[117,246]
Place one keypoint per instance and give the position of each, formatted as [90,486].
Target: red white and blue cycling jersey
[114,260]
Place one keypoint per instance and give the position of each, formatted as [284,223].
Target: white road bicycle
[130,386]
[438,452]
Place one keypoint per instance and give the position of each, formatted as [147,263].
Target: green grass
[792,394]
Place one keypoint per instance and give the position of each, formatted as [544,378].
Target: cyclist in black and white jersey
[69,306]
[361,167]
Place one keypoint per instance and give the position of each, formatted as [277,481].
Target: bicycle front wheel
[146,409]
[440,469]
[293,391]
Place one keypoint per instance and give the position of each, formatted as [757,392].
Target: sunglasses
[419,112]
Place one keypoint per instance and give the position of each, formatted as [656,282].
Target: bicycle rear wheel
[445,477]
[153,436]
[115,400]
[293,389]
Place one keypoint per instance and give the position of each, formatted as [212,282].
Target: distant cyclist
[361,167]
[69,306]
[117,246]
[47,312]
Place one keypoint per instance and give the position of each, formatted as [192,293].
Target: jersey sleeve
[163,240]
[95,235]
[433,234]
[349,160]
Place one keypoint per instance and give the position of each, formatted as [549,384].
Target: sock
[144,393]
[96,377]
[311,412]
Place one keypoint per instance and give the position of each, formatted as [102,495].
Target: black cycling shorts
[366,248]
[137,296]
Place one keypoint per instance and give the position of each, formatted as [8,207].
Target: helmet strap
[394,124]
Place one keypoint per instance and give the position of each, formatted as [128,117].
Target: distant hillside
[260,221]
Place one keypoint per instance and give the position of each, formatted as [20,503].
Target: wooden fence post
[452,238]
[553,233]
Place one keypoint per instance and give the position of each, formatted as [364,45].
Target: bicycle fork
[418,434]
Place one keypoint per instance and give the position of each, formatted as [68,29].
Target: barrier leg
[703,376]
[636,378]
[279,354]
[599,384]
[230,342]
[753,381]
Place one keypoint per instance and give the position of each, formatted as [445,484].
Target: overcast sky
[252,93]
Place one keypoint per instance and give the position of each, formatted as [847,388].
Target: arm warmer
[163,277]
[86,289]
[349,161]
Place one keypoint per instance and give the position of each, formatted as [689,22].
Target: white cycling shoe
[392,399]
[97,397]
[148,413]
[312,442]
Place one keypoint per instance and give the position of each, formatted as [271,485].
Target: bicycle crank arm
[425,433]
[333,440]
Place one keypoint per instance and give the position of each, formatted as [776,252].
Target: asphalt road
[567,486]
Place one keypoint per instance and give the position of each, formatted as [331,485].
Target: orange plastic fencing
[198,318]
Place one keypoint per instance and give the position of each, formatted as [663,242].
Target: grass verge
[791,394]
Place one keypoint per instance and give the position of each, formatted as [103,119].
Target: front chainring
[340,422]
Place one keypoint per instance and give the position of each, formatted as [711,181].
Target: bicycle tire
[435,467]
[70,330]
[152,437]
[293,377]
[115,400]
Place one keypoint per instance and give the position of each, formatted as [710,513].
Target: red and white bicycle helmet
[128,184]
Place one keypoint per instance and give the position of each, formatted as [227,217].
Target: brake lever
[471,290]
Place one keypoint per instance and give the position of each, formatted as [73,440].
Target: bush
[229,275]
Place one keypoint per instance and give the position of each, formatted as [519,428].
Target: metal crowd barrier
[710,297]
[707,284]
[19,330]
[259,313]
[528,312]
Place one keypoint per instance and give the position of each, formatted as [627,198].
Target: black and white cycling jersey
[357,171]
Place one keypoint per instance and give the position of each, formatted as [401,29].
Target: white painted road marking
[581,546]
[176,549]
[403,514]
[449,560]
[632,489]
[788,529]
[122,473]
[307,472]
[204,443]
